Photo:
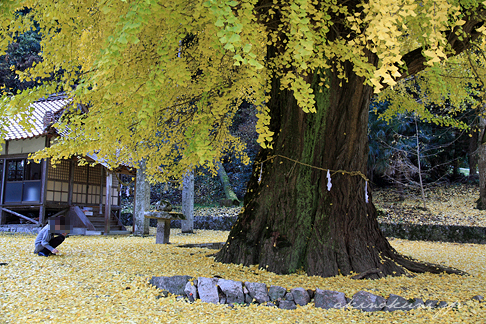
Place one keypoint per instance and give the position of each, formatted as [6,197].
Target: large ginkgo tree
[161,81]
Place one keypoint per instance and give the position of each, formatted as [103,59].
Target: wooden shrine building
[31,192]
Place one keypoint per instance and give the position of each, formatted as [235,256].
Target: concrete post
[108,201]
[187,226]
[141,202]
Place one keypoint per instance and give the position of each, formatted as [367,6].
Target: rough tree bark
[290,220]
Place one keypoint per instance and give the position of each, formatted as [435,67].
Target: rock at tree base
[329,299]
[276,292]
[431,303]
[478,298]
[289,296]
[223,291]
[207,290]
[395,302]
[418,302]
[175,285]
[233,291]
[442,304]
[367,302]
[286,304]
[191,291]
[301,297]
[257,291]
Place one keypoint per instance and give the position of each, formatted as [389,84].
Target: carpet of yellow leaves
[103,279]
[446,205]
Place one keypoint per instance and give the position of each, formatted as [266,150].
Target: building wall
[29,145]
[89,184]
[57,187]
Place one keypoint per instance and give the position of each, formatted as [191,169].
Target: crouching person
[47,241]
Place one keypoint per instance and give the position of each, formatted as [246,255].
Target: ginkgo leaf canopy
[163,79]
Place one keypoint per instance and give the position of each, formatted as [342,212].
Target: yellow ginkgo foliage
[162,81]
[164,78]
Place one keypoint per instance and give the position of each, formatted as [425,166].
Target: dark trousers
[54,242]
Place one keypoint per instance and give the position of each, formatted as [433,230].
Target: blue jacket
[42,240]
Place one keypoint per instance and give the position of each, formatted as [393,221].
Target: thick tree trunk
[290,220]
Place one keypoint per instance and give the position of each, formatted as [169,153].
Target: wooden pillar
[42,209]
[101,191]
[134,202]
[71,182]
[108,202]
[2,213]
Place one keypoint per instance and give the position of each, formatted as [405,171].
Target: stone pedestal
[163,231]
[163,224]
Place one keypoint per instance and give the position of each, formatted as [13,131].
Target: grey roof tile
[51,105]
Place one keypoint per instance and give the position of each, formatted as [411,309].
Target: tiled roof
[44,108]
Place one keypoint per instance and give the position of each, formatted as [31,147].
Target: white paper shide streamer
[366,191]
[260,177]
[329,184]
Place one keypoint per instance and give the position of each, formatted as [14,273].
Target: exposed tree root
[409,267]
[369,274]
[422,267]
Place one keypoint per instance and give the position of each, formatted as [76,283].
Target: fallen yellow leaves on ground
[446,205]
[104,279]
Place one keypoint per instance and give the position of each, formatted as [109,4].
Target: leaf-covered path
[104,280]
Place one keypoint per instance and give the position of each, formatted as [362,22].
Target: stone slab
[286,304]
[175,284]
[395,302]
[258,291]
[276,292]
[233,291]
[367,301]
[329,299]
[301,296]
[190,291]
[207,290]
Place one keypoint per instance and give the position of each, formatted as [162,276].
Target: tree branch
[415,61]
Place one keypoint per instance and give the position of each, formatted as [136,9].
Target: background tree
[20,55]
[450,98]
[394,159]
[310,67]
